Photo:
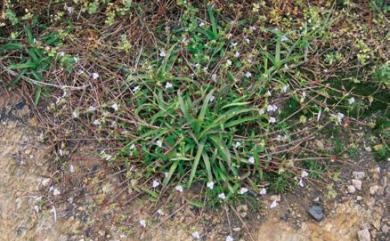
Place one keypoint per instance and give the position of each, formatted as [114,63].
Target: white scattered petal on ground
[142,222]
[284,38]
[285,88]
[159,143]
[272,120]
[195,235]
[274,204]
[228,62]
[95,75]
[272,108]
[179,188]
[75,114]
[56,192]
[115,106]
[155,183]
[96,122]
[263,191]
[136,88]
[243,190]
[301,183]
[251,160]
[160,212]
[210,185]
[229,238]
[304,173]
[237,144]
[222,196]
[168,85]
[163,53]
[248,74]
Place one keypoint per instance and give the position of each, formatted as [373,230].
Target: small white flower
[212,98]
[95,75]
[247,40]
[304,173]
[243,190]
[274,204]
[272,108]
[201,24]
[285,88]
[237,54]
[261,111]
[237,144]
[284,38]
[263,191]
[301,183]
[340,117]
[91,109]
[351,100]
[179,188]
[229,36]
[96,122]
[272,120]
[251,160]
[75,114]
[229,238]
[56,192]
[196,235]
[71,168]
[106,156]
[76,59]
[210,185]
[268,93]
[248,74]
[142,222]
[234,44]
[69,10]
[168,85]
[228,62]
[159,143]
[132,147]
[136,88]
[160,212]
[222,196]
[163,53]
[115,106]
[62,53]
[155,183]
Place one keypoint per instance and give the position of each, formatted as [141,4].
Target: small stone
[316,212]
[357,184]
[358,175]
[374,189]
[364,235]
[351,189]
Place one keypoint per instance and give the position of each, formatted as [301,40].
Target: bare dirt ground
[83,201]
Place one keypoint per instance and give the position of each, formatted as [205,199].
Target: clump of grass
[208,98]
